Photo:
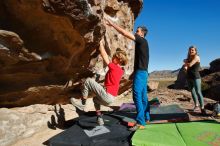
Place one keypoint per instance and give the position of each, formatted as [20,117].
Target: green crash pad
[201,133]
[158,135]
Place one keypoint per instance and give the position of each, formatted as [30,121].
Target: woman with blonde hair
[192,66]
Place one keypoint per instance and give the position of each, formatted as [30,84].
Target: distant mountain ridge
[164,73]
[168,73]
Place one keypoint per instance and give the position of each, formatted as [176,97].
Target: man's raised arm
[120,30]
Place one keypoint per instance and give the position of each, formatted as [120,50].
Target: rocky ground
[35,124]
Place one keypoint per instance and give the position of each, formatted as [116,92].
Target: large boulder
[215,65]
[211,85]
[56,41]
[211,81]
[180,83]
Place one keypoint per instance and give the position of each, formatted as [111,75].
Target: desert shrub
[165,84]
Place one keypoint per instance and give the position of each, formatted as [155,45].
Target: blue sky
[174,25]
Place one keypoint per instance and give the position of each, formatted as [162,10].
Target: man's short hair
[143,29]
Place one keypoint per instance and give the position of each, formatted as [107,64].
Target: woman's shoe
[196,109]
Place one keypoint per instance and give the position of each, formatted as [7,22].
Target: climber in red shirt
[104,95]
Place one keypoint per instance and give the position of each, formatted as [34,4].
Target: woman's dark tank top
[193,71]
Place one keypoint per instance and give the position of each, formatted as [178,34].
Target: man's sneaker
[136,127]
[100,120]
[78,103]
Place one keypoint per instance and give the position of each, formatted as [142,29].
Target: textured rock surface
[56,42]
[180,83]
[20,123]
[212,83]
[215,65]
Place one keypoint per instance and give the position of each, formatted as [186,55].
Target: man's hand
[120,30]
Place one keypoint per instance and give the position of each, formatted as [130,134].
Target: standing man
[140,79]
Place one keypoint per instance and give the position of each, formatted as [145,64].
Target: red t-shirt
[112,78]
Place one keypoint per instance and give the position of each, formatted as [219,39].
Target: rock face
[215,65]
[55,41]
[212,80]
[23,122]
[180,83]
[212,86]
